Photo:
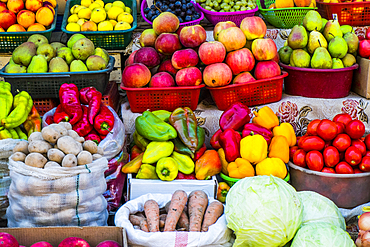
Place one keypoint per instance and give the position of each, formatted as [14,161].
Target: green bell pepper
[157,150]
[185,163]
[167,169]
[153,128]
[140,141]
[147,171]
[162,114]
[181,148]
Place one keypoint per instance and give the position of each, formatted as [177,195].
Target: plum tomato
[344,118]
[353,156]
[344,168]
[312,127]
[355,129]
[331,156]
[315,160]
[327,129]
[342,142]
[299,158]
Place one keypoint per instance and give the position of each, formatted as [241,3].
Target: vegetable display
[363,238]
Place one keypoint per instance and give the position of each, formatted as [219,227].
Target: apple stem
[319,42]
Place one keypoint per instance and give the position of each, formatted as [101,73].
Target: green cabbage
[318,208]
[263,211]
[322,235]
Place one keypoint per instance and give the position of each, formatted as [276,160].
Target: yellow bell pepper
[224,163]
[279,148]
[272,166]
[286,129]
[253,148]
[147,171]
[265,117]
[240,168]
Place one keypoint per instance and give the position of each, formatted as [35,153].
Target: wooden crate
[116,74]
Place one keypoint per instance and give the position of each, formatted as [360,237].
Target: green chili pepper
[20,133]
[6,99]
[22,106]
[14,133]
[5,134]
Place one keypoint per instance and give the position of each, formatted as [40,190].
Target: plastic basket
[252,93]
[10,41]
[163,98]
[349,13]
[44,105]
[231,181]
[236,17]
[46,85]
[283,17]
[189,23]
[109,40]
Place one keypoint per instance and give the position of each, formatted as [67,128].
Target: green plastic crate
[284,17]
[109,40]
[10,41]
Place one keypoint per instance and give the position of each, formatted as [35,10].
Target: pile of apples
[171,56]
[29,15]
[97,16]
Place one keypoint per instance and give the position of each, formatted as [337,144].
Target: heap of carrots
[182,213]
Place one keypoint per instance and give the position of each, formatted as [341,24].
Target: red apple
[192,36]
[266,69]
[130,59]
[15,5]
[8,240]
[41,244]
[232,38]
[253,27]
[189,77]
[135,75]
[7,18]
[217,75]
[147,56]
[367,35]
[184,58]
[212,52]
[167,43]
[108,243]
[264,49]
[363,48]
[240,60]
[73,242]
[167,66]
[162,79]
[244,77]
[166,22]
[221,26]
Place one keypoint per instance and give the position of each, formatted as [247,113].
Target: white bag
[112,143]
[218,234]
[61,196]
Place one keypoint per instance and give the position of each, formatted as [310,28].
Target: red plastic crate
[348,13]
[111,96]
[252,93]
[45,105]
[164,98]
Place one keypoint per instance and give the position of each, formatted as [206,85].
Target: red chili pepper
[93,136]
[104,121]
[60,115]
[181,175]
[49,120]
[254,129]
[102,137]
[83,97]
[94,97]
[235,117]
[230,142]
[70,101]
[200,152]
[215,143]
[83,127]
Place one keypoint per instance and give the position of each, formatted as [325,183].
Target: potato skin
[68,145]
[97,156]
[38,146]
[56,155]
[22,146]
[50,164]
[90,146]
[35,136]
[69,160]
[84,157]
[19,156]
[50,134]
[35,160]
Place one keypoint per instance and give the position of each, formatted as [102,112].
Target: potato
[96,156]
[22,146]
[100,151]
[84,157]
[90,146]
[38,146]
[62,130]
[75,136]
[66,125]
[50,134]
[69,160]
[51,164]
[68,145]
[35,160]
[56,155]
[35,136]
[19,156]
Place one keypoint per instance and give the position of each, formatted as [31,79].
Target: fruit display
[29,15]
[92,15]
[38,56]
[292,3]
[227,5]
[320,44]
[169,145]
[364,45]
[342,1]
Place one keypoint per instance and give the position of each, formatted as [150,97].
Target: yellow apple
[72,18]
[94,5]
[98,15]
[81,21]
[72,10]
[125,17]
[105,26]
[128,10]
[114,22]
[86,3]
[84,13]
[114,12]
[100,2]
[108,6]
[119,4]
[122,25]
[73,27]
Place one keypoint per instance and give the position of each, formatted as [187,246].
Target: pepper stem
[165,172]
[224,193]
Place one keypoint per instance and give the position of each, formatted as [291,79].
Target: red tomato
[365,164]
[341,127]
[342,142]
[344,118]
[353,156]
[300,138]
[328,170]
[360,145]
[327,130]
[367,141]
[312,127]
[344,168]
[355,129]
[314,160]
[309,143]
[356,170]
[331,156]
[292,150]
[299,158]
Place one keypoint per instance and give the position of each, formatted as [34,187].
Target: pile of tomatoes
[333,146]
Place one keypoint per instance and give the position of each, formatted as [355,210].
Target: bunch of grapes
[183,9]
[227,5]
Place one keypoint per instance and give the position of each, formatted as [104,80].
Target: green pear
[331,30]
[300,58]
[347,29]
[72,40]
[38,64]
[47,50]
[95,62]
[38,39]
[352,42]
[337,64]
[57,64]
[321,59]
[23,53]
[103,53]
[348,60]
[298,37]
[57,45]
[337,47]
[83,48]
[77,66]
[324,21]
[12,67]
[284,54]
[316,39]
[312,21]
[66,54]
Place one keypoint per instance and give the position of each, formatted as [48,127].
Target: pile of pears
[320,44]
[38,56]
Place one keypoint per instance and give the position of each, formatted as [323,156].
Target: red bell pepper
[102,137]
[215,143]
[83,97]
[49,120]
[135,151]
[70,100]
[60,115]
[235,117]
[254,129]
[93,136]
[94,97]
[230,142]
[181,175]
[200,152]
[83,127]
[104,121]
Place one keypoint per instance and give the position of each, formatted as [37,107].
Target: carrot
[151,210]
[184,219]
[178,201]
[214,210]
[163,217]
[139,221]
[198,201]
[144,225]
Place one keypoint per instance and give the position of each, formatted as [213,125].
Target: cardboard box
[361,78]
[139,187]
[61,6]
[54,235]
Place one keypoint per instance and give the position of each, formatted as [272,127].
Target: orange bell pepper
[223,189]
[134,165]
[33,122]
[240,168]
[224,163]
[286,129]
[265,117]
[208,165]
[279,148]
